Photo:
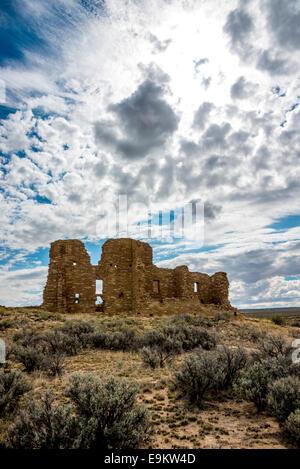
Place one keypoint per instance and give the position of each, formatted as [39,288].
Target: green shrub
[191,336]
[80,330]
[284,397]
[277,319]
[150,357]
[232,361]
[126,340]
[59,342]
[31,357]
[6,324]
[199,374]
[27,338]
[99,339]
[292,427]
[272,346]
[100,416]
[108,414]
[42,425]
[163,348]
[253,384]
[13,384]
[54,364]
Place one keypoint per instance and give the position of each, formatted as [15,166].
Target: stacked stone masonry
[129,281]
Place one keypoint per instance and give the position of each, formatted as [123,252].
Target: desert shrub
[253,384]
[31,357]
[277,319]
[150,357]
[27,338]
[284,397]
[153,338]
[222,316]
[99,416]
[6,324]
[54,364]
[43,425]
[107,413]
[80,330]
[191,337]
[199,374]
[60,342]
[13,384]
[256,335]
[295,324]
[272,346]
[125,340]
[232,361]
[292,427]
[99,339]
[164,348]
[193,320]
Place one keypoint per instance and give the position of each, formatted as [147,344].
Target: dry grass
[224,422]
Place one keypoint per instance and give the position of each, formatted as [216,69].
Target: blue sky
[168,103]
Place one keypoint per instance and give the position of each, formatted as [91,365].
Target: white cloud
[210,133]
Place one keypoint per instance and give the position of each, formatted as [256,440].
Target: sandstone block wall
[131,282]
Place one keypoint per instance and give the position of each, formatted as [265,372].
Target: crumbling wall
[71,284]
[131,282]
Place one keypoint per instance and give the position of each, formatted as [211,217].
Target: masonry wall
[71,283]
[131,282]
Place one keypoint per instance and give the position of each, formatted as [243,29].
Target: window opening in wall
[76,301]
[76,295]
[116,266]
[99,300]
[196,287]
[74,263]
[156,286]
[99,287]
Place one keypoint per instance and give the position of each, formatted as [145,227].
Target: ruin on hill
[125,281]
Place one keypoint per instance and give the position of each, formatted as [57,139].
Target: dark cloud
[215,136]
[202,114]
[74,198]
[241,89]
[273,64]
[214,162]
[211,210]
[255,265]
[238,26]
[284,22]
[145,120]
[189,148]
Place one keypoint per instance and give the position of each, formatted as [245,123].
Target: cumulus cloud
[202,114]
[144,121]
[242,89]
[238,26]
[166,102]
[284,22]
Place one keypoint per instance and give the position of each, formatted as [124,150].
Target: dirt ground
[224,422]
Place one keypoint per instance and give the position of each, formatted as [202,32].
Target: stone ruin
[126,281]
